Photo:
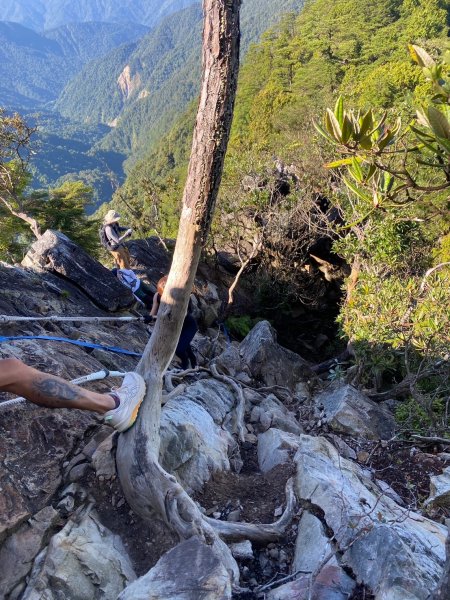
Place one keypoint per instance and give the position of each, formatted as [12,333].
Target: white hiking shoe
[131,393]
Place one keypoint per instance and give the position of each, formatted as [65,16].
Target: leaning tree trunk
[147,487]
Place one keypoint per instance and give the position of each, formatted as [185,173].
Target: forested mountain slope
[358,49]
[47,14]
[34,67]
[147,85]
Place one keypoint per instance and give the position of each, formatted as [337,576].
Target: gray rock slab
[399,554]
[279,416]
[190,571]
[56,253]
[84,560]
[276,447]
[440,489]
[331,584]
[312,545]
[35,443]
[270,363]
[103,460]
[350,412]
[21,548]
[193,442]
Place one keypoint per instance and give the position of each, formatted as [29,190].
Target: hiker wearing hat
[111,238]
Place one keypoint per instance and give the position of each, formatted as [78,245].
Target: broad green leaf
[366,143]
[322,132]
[420,56]
[339,111]
[339,163]
[356,171]
[371,172]
[347,129]
[333,125]
[439,123]
[366,122]
[356,190]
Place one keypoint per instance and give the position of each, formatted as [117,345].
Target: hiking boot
[131,393]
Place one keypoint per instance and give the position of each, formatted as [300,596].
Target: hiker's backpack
[103,237]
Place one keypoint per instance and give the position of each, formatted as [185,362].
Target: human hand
[129,232]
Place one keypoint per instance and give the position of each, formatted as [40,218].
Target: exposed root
[240,407]
[173,394]
[256,532]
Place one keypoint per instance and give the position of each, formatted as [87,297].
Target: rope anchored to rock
[56,319]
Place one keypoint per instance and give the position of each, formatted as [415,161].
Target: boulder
[35,443]
[440,489]
[209,302]
[330,584]
[350,412]
[278,415]
[84,560]
[56,253]
[275,447]
[187,572]
[149,258]
[271,364]
[19,550]
[312,545]
[193,442]
[103,460]
[365,522]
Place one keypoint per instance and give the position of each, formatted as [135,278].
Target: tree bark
[146,485]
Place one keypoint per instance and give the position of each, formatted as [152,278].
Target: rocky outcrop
[349,411]
[276,448]
[194,443]
[188,572]
[128,84]
[271,364]
[34,443]
[57,464]
[19,551]
[84,560]
[365,522]
[56,253]
[440,489]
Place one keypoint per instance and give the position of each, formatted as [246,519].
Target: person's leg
[49,390]
[115,256]
[182,355]
[184,350]
[123,257]
[192,357]
[120,407]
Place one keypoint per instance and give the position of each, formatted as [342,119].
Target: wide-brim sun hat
[111,217]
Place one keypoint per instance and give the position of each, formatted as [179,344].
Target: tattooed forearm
[51,392]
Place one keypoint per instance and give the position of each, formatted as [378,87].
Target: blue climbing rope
[69,341]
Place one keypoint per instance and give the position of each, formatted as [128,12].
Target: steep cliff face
[128,83]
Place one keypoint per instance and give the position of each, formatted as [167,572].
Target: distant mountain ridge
[41,15]
[163,73]
[34,67]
